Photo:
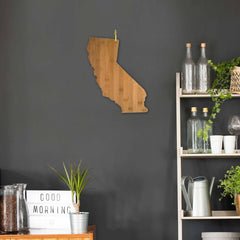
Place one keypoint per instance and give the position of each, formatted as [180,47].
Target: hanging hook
[115,34]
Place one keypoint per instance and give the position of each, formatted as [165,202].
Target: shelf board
[52,234]
[215,215]
[202,95]
[184,154]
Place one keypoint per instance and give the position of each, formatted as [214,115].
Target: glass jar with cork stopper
[203,71]
[206,144]
[194,143]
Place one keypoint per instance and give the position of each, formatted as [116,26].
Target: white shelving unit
[182,154]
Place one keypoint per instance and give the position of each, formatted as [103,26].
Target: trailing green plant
[76,180]
[219,91]
[231,183]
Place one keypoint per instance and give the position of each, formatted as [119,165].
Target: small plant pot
[229,144]
[216,144]
[79,222]
[237,201]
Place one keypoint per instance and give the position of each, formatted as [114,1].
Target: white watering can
[198,196]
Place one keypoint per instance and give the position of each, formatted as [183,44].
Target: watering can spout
[211,186]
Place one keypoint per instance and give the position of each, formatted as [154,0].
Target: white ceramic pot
[229,144]
[79,222]
[220,235]
[216,144]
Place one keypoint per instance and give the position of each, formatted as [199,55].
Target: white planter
[220,235]
[229,144]
[216,144]
[79,222]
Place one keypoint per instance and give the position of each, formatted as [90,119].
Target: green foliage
[219,91]
[76,179]
[231,183]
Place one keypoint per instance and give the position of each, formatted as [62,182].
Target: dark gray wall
[51,109]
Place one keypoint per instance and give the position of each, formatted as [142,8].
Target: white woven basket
[220,235]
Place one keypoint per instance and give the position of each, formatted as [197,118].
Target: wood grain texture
[85,236]
[113,80]
[90,235]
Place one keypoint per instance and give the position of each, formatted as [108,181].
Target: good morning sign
[49,209]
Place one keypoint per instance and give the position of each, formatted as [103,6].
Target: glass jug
[9,202]
[23,210]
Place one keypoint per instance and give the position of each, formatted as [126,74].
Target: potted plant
[219,90]
[76,180]
[231,186]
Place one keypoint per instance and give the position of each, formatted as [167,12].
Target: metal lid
[188,44]
[205,110]
[193,109]
[203,44]
[220,235]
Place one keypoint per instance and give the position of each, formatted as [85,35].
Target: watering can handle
[211,186]
[185,193]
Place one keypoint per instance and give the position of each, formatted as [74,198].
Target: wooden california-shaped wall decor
[115,83]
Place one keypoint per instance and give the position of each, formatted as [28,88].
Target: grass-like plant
[76,180]
[231,183]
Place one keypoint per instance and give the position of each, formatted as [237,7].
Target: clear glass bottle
[9,210]
[189,83]
[203,71]
[206,144]
[194,143]
[23,209]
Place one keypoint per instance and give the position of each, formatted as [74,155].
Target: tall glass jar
[9,209]
[194,143]
[188,72]
[203,72]
[23,210]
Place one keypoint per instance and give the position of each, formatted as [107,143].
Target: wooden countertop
[51,233]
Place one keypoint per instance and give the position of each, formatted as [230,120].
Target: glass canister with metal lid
[9,209]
